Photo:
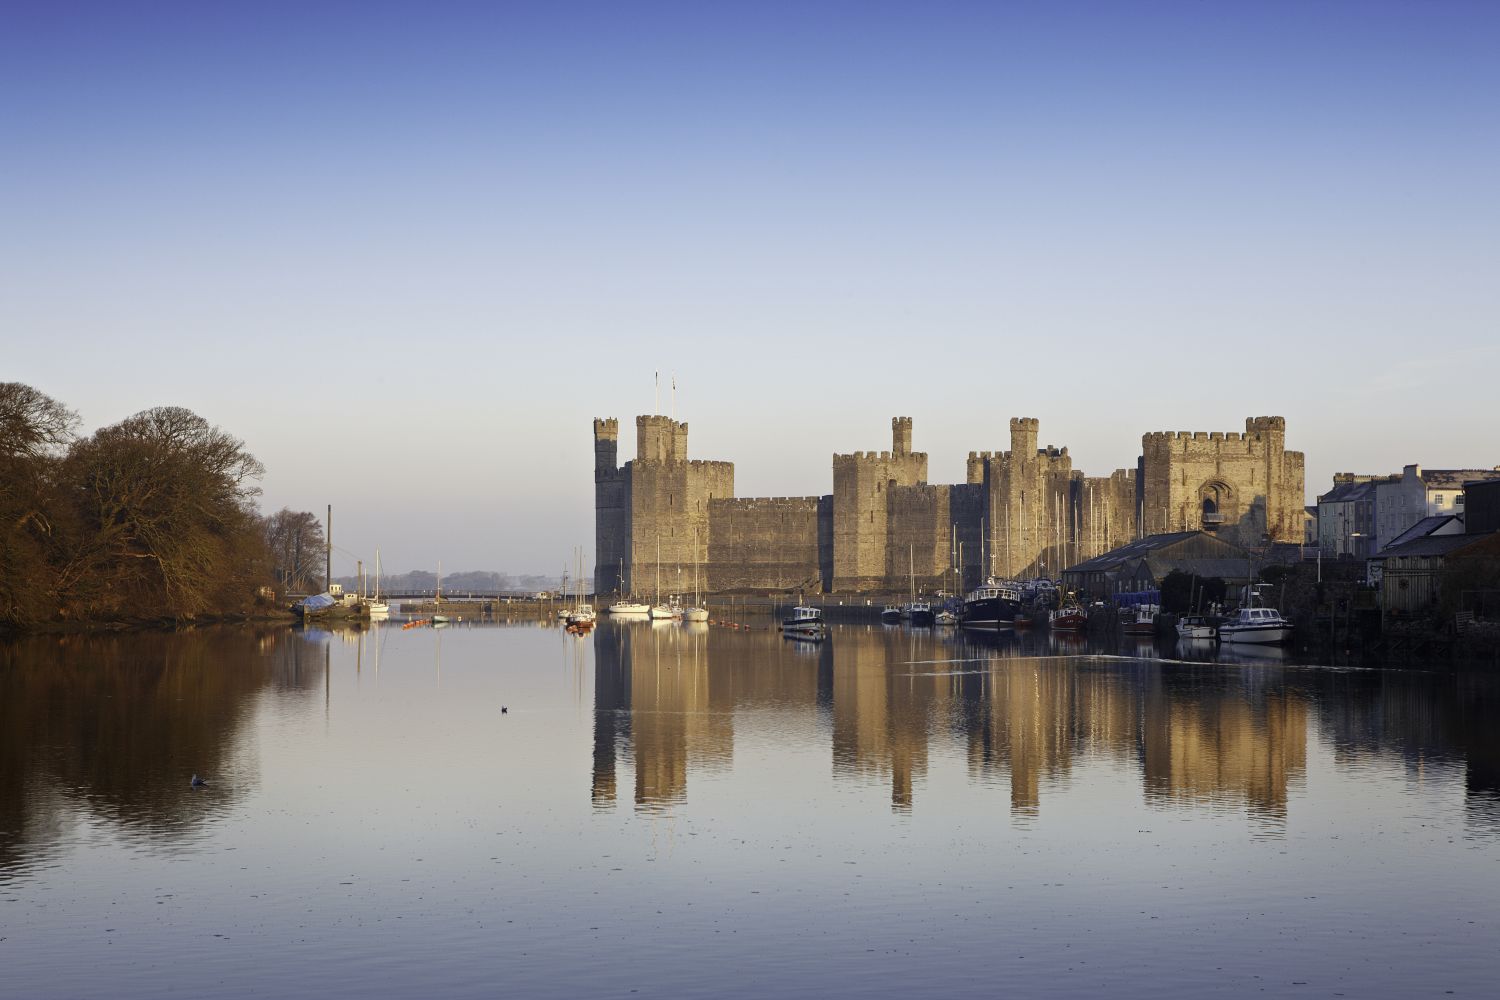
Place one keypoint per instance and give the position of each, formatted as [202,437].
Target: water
[679,811]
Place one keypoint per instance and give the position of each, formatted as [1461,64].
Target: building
[1404,500]
[1246,487]
[1021,513]
[1346,516]
[1144,563]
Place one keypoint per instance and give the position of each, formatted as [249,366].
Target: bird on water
[198,782]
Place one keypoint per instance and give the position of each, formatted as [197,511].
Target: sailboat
[919,612]
[375,606]
[696,613]
[659,610]
[437,597]
[582,617]
[628,605]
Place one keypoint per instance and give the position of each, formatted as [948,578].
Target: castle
[1021,513]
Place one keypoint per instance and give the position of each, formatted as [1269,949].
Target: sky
[407,252]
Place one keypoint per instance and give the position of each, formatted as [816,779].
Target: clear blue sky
[408,251]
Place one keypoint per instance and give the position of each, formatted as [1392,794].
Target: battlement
[1024,423]
[606,429]
[1265,425]
[1162,437]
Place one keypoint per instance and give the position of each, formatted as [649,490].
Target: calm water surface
[678,811]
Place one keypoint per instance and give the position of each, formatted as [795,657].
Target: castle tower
[611,524]
[861,508]
[901,435]
[606,447]
[1247,487]
[1023,431]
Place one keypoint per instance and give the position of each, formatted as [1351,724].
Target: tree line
[152,518]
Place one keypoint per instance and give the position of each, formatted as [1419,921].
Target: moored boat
[1069,618]
[920,614]
[891,614]
[804,623]
[1196,627]
[629,608]
[994,605]
[1139,620]
[1256,625]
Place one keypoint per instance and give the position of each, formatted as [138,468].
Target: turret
[660,439]
[1023,431]
[901,435]
[606,446]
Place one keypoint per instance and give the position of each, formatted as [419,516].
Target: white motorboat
[629,608]
[1257,625]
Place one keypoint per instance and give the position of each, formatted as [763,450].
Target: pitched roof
[1149,546]
[1348,493]
[1421,529]
[1452,479]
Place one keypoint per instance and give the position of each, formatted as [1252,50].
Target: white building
[1416,494]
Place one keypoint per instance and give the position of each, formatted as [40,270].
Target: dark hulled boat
[994,605]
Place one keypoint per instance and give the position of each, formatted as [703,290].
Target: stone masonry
[1022,513]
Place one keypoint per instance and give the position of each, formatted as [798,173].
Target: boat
[696,613]
[660,611]
[627,605]
[993,605]
[1257,625]
[1196,627]
[804,623]
[1070,617]
[581,615]
[919,613]
[374,605]
[891,614]
[944,617]
[1140,620]
[440,619]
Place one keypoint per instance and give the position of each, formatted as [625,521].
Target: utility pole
[328,559]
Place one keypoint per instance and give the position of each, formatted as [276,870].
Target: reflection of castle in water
[1197,736]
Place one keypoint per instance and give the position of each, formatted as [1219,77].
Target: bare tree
[296,541]
[166,504]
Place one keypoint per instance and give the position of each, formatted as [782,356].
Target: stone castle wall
[1021,513]
[764,543]
[1246,486]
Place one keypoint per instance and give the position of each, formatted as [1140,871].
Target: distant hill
[420,580]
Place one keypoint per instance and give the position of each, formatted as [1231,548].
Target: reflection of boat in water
[1197,649]
[1252,653]
[804,623]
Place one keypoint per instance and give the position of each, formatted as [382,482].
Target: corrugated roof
[1428,545]
[1226,569]
[1142,548]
